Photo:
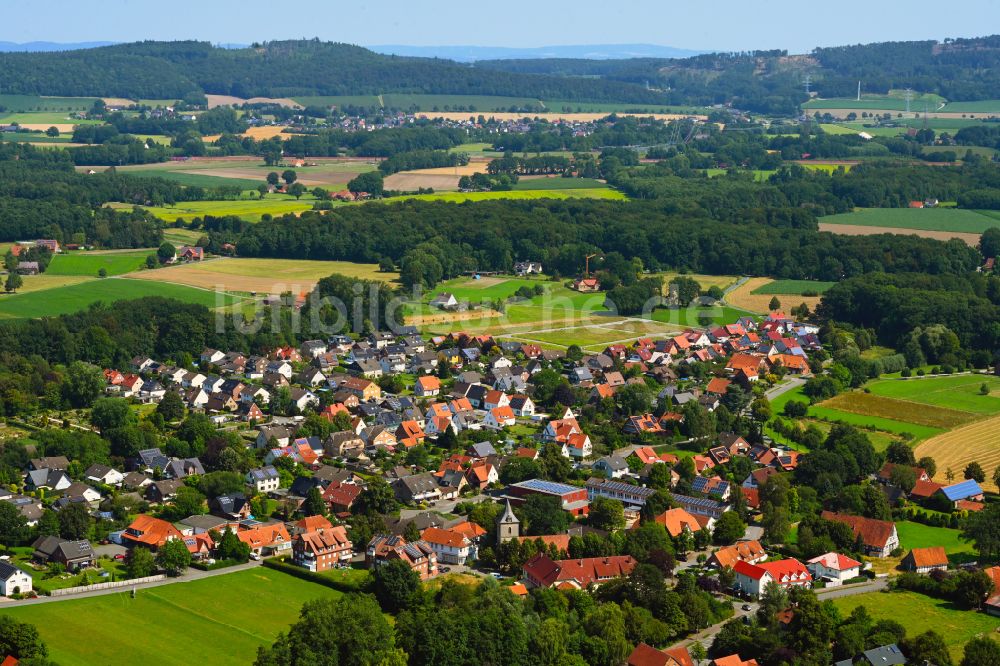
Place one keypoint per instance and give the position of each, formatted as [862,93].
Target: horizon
[744,28]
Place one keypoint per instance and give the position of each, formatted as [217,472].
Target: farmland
[793,287]
[557,183]
[922,613]
[925,219]
[749,295]
[79,263]
[869,404]
[212,614]
[958,392]
[248,209]
[979,441]
[459,197]
[74,297]
[260,275]
[35,103]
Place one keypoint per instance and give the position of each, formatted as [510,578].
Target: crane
[586,270]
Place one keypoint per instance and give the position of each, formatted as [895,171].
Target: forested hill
[171,70]
[771,81]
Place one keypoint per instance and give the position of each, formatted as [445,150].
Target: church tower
[508,526]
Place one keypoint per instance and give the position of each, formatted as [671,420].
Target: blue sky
[695,24]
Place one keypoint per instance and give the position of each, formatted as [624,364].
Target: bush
[313,577]
[906,372]
[219,564]
[920,372]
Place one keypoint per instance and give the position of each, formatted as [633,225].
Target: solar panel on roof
[543,486]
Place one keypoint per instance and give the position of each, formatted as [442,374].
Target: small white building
[264,479]
[13,580]
[752,579]
[834,568]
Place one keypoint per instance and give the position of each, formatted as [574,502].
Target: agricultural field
[89,263]
[74,297]
[212,614]
[759,175]
[263,276]
[922,613]
[982,106]
[459,197]
[957,392]
[250,210]
[979,441]
[748,296]
[960,151]
[793,287]
[35,103]
[331,173]
[894,101]
[870,404]
[926,219]
[558,183]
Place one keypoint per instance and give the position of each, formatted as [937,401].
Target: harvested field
[869,404]
[118,101]
[259,174]
[228,100]
[979,441]
[408,181]
[263,276]
[64,128]
[859,230]
[745,298]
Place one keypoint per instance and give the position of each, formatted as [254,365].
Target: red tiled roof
[874,533]
[933,556]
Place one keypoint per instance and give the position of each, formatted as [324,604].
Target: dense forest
[771,81]
[172,70]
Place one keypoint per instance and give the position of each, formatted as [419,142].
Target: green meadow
[32,103]
[558,183]
[79,263]
[793,287]
[921,613]
[223,619]
[75,297]
[958,392]
[459,197]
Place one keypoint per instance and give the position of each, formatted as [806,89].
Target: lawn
[920,613]
[89,263]
[918,535]
[957,392]
[73,298]
[924,219]
[222,619]
[793,287]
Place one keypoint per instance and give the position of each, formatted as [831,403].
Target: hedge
[314,577]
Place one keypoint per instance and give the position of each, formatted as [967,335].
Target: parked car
[255,557]
[120,556]
[746,607]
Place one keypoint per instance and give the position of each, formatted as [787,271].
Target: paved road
[189,575]
[784,387]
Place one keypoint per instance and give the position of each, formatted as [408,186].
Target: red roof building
[541,571]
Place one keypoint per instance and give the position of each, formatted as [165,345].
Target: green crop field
[825,411]
[45,118]
[35,137]
[920,613]
[222,619]
[870,404]
[918,535]
[923,219]
[459,197]
[793,287]
[26,103]
[895,101]
[72,298]
[565,106]
[759,175]
[338,100]
[80,263]
[559,184]
[248,209]
[201,180]
[958,392]
[982,106]
[960,151]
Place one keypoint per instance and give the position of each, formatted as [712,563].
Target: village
[444,454]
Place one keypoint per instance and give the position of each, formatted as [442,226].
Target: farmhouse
[834,568]
[925,560]
[879,537]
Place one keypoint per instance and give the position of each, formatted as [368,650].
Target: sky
[719,25]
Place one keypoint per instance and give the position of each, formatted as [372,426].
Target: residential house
[13,581]
[645,655]
[612,467]
[419,555]
[232,506]
[149,532]
[450,547]
[103,474]
[677,521]
[752,579]
[269,539]
[834,568]
[427,386]
[541,571]
[322,549]
[74,555]
[47,479]
[416,488]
